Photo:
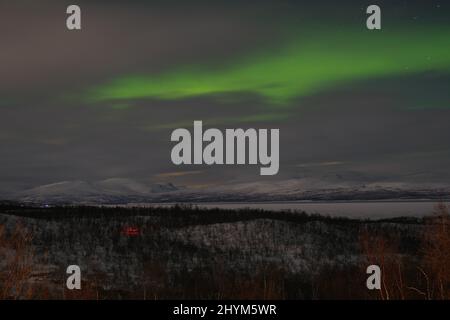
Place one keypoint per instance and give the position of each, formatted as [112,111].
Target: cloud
[258,118]
[320,164]
[177,174]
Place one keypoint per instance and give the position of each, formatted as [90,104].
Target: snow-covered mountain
[329,188]
[105,191]
[309,189]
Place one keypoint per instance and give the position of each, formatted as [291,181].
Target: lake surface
[357,209]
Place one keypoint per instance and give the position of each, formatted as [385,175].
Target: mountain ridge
[123,191]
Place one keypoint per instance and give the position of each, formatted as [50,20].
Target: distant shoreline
[305,201]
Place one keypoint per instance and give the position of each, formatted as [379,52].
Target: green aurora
[305,65]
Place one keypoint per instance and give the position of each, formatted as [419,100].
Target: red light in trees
[131,231]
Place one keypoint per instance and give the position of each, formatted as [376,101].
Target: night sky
[100,103]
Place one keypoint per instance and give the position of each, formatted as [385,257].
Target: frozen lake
[356,209]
